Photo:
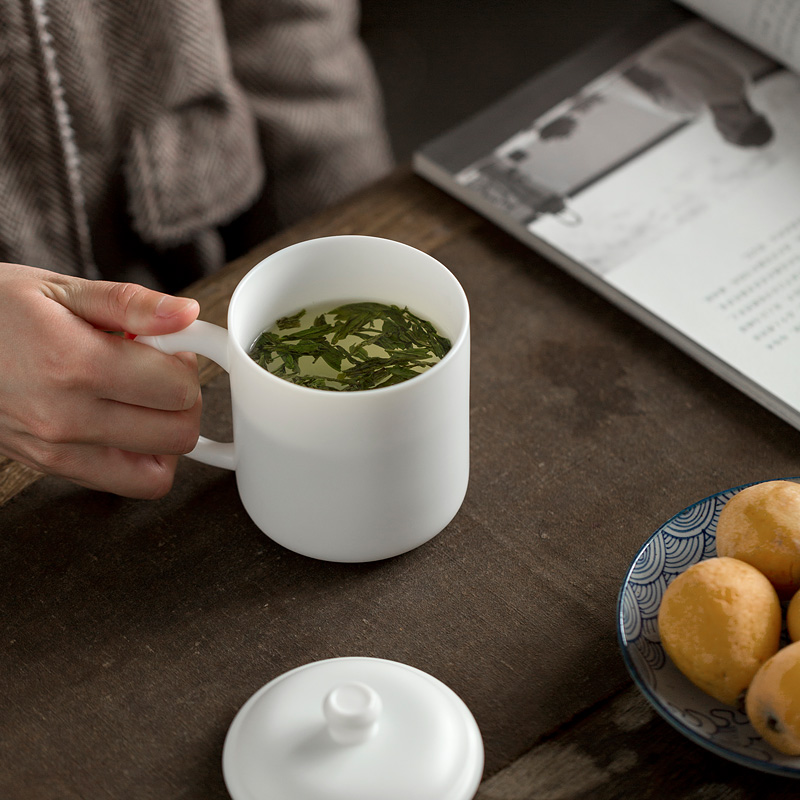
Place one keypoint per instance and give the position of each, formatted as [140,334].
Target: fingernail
[169,306]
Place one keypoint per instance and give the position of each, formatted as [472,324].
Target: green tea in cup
[351,347]
[403,450]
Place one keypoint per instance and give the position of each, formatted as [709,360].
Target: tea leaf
[365,344]
[290,322]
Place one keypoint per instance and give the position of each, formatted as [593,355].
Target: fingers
[146,477]
[77,402]
[123,306]
[136,475]
[129,372]
[112,424]
[99,466]
[144,430]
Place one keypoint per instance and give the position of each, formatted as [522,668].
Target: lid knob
[351,711]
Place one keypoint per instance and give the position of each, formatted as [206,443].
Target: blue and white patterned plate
[687,538]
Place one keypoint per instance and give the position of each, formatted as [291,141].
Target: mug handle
[211,341]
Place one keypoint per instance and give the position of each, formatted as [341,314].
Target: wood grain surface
[133,631]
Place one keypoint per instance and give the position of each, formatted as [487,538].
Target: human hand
[103,411]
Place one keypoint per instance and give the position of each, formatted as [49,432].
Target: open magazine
[661,166]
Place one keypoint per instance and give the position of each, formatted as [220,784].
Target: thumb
[126,306]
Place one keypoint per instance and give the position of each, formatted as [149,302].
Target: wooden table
[133,631]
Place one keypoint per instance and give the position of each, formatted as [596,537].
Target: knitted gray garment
[131,132]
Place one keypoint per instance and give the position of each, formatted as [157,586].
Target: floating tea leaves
[352,347]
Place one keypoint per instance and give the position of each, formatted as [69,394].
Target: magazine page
[772,25]
[731,280]
[673,178]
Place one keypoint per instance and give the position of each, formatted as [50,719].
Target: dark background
[440,61]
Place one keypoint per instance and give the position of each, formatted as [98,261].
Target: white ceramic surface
[353,729]
[687,538]
[343,476]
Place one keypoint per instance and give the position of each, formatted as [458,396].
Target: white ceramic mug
[342,476]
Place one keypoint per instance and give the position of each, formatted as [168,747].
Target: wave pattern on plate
[650,563]
[649,596]
[684,540]
[726,727]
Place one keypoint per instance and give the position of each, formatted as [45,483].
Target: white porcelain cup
[342,476]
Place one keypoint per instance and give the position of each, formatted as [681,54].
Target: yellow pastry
[773,700]
[719,621]
[761,525]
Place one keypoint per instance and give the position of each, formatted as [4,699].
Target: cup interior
[340,269]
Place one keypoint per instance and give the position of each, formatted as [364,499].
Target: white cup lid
[353,729]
